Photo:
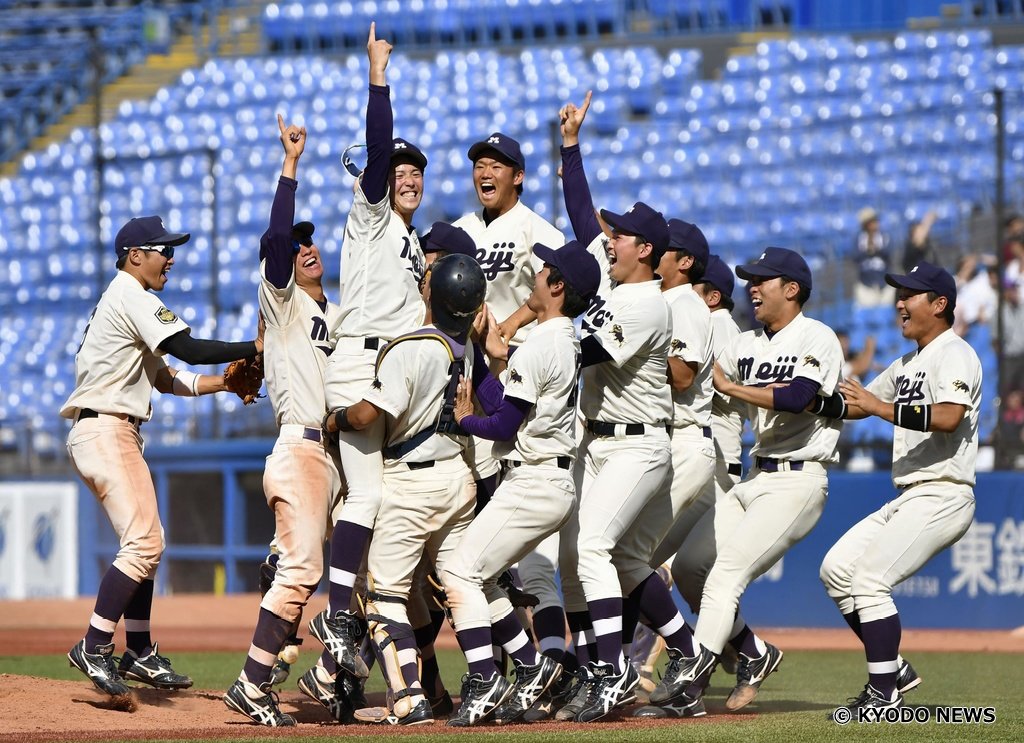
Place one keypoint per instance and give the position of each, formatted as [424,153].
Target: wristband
[341,419]
[185,384]
[912,417]
[830,407]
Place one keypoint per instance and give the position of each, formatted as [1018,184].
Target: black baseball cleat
[441,706]
[153,669]
[681,706]
[531,682]
[329,691]
[418,715]
[100,667]
[609,691]
[907,678]
[681,672]
[354,688]
[479,698]
[750,674]
[552,700]
[260,704]
[340,634]
[577,695]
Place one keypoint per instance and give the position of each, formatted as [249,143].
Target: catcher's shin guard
[386,634]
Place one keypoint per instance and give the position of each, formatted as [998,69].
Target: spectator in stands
[977,280]
[1013,337]
[1011,428]
[873,255]
[919,245]
[1013,238]
[857,363]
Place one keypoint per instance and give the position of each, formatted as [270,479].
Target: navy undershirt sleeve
[501,425]
[191,350]
[795,397]
[592,352]
[380,126]
[579,204]
[276,245]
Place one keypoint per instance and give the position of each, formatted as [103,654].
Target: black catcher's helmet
[457,288]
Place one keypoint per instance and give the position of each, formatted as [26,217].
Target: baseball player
[625,448]
[932,396]
[505,231]
[777,370]
[301,477]
[380,299]
[118,365]
[532,420]
[428,492]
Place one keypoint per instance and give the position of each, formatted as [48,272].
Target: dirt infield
[33,709]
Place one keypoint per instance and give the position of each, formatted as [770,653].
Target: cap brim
[170,238]
[304,228]
[754,270]
[546,254]
[414,157]
[618,222]
[906,281]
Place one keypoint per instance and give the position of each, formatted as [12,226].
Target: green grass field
[793,706]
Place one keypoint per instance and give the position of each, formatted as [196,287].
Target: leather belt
[90,413]
[564,463]
[735,468]
[778,465]
[312,434]
[420,465]
[371,344]
[603,428]
[706,430]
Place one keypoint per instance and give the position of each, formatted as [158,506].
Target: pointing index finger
[280,123]
[373,32]
[586,102]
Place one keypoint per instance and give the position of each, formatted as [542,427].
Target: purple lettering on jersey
[767,372]
[496,260]
[909,391]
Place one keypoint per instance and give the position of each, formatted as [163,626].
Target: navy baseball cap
[719,276]
[504,145]
[144,231]
[450,239]
[405,148]
[685,236]
[641,220]
[576,264]
[926,277]
[777,262]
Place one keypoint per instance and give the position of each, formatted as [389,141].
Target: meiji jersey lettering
[633,386]
[544,371]
[298,341]
[692,343]
[119,358]
[598,313]
[504,250]
[727,413]
[804,348]
[381,266]
[411,380]
[946,370]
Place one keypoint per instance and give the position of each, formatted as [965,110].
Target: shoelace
[743,670]
[672,670]
[274,701]
[110,665]
[860,698]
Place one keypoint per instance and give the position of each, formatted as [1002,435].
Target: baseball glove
[440,597]
[244,377]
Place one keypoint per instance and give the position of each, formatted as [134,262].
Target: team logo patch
[678,345]
[165,316]
[617,334]
[811,361]
[960,386]
[377,384]
[515,376]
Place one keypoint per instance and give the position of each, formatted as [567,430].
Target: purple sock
[580,627]
[882,647]
[854,621]
[549,627]
[569,662]
[437,621]
[430,674]
[113,597]
[136,619]
[484,490]
[652,597]
[267,641]
[509,634]
[630,619]
[348,543]
[745,641]
[606,615]
[476,646]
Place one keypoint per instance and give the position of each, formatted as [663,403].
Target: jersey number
[86,331]
[574,395]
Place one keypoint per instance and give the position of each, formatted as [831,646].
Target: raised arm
[579,204]
[380,122]
[276,244]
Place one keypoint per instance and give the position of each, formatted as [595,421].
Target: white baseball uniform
[782,497]
[654,532]
[504,250]
[301,477]
[537,494]
[622,468]
[695,557]
[115,370]
[381,266]
[933,471]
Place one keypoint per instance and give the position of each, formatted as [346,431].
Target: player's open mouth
[309,263]
[487,188]
[756,302]
[904,318]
